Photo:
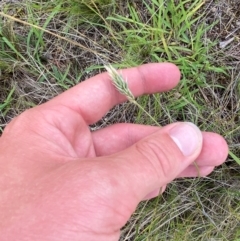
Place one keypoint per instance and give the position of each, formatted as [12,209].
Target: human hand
[60,181]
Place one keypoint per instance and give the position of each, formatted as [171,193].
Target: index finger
[94,97]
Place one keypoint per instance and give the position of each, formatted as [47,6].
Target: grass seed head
[119,82]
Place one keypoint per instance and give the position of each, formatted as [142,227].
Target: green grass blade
[234,157]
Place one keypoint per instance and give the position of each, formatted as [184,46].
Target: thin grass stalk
[121,85]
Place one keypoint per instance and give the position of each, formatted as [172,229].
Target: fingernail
[187,137]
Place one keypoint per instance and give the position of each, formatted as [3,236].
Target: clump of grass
[160,31]
[88,10]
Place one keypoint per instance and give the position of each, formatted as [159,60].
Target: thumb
[110,188]
[156,160]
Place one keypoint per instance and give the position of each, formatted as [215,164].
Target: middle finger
[118,137]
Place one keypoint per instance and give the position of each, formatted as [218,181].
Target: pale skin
[59,181]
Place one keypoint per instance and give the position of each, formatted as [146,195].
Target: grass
[121,85]
[49,46]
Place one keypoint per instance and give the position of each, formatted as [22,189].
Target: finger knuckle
[157,156]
